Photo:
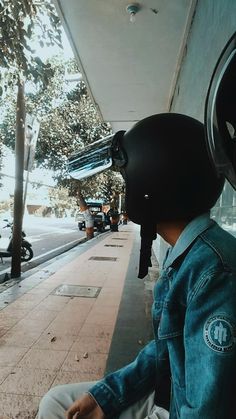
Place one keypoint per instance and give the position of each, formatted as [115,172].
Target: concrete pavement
[51,334]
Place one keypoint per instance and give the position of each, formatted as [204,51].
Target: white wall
[213,24]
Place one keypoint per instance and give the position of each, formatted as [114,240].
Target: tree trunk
[19,173]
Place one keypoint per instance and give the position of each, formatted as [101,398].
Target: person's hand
[85,408]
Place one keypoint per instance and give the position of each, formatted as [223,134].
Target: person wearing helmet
[189,369]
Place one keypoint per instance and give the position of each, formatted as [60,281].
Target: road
[45,235]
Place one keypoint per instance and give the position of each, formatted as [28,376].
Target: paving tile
[10,356]
[93,364]
[105,300]
[37,314]
[92,280]
[3,331]
[32,280]
[10,311]
[117,284]
[71,274]
[74,268]
[31,325]
[7,321]
[35,299]
[58,341]
[72,313]
[53,302]
[39,291]
[43,359]
[68,377]
[101,317]
[81,302]
[89,278]
[105,310]
[111,292]
[14,406]
[46,285]
[66,270]
[19,338]
[69,326]
[59,275]
[89,270]
[97,330]
[91,344]
[4,372]
[27,381]
[22,305]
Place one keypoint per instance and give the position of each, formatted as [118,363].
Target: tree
[68,119]
[20,20]
[60,201]
[107,186]
[68,122]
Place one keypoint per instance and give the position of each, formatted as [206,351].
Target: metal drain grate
[118,238]
[67,290]
[113,245]
[103,258]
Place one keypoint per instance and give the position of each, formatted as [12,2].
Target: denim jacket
[194,323]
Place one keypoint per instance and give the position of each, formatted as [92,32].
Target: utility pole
[19,171]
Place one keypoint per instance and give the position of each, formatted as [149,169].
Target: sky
[37,175]
[47,52]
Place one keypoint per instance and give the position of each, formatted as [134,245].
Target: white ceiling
[130,68]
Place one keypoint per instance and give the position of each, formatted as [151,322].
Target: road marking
[37,237]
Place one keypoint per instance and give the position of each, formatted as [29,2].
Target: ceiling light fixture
[132,9]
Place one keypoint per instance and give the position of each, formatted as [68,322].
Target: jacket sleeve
[124,387]
[210,353]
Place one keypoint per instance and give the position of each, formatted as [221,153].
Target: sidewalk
[49,337]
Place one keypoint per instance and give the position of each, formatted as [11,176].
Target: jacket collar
[186,238]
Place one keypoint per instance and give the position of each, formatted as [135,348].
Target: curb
[26,266]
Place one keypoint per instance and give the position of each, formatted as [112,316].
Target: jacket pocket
[171,322]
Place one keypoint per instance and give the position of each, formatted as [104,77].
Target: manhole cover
[103,258]
[113,245]
[77,291]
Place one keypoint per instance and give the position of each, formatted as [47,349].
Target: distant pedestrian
[88,217]
[114,218]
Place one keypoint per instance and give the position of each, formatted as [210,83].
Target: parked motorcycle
[26,247]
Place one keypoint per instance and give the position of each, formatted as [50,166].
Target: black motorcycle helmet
[168,174]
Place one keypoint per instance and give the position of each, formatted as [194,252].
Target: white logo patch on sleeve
[219,334]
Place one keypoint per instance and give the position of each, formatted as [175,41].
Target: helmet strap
[148,234]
